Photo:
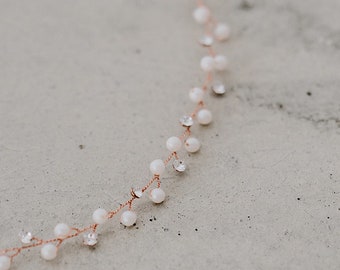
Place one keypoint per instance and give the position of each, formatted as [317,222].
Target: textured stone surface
[89,92]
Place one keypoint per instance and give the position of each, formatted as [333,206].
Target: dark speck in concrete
[309,93]
[246,5]
[280,105]
[81,146]
[298,199]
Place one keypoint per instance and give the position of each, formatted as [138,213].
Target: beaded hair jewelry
[209,64]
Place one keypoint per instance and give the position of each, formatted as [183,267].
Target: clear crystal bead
[179,165]
[136,193]
[186,121]
[218,88]
[90,238]
[206,41]
[25,237]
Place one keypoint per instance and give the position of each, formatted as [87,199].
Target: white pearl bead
[174,144]
[201,15]
[192,145]
[196,94]
[222,31]
[49,252]
[207,63]
[220,62]
[157,195]
[5,262]
[128,218]
[204,117]
[157,167]
[99,216]
[61,230]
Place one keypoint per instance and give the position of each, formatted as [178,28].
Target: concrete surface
[113,76]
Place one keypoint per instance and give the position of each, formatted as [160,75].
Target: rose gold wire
[199,3]
[14,251]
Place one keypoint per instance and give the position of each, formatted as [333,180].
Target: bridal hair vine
[210,64]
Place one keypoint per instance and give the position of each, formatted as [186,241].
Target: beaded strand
[209,64]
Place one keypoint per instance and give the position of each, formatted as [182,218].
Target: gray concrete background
[263,193]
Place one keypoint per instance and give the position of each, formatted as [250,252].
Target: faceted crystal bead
[179,165]
[186,121]
[218,88]
[206,41]
[25,237]
[137,193]
[90,238]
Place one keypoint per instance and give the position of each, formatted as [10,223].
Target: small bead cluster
[209,63]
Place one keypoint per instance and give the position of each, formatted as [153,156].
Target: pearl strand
[209,64]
